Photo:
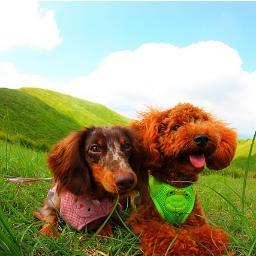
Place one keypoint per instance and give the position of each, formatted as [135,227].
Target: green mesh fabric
[173,204]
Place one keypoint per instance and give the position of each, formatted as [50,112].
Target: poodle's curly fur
[169,140]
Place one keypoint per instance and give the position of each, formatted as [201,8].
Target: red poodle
[179,143]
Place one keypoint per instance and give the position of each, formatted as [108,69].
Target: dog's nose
[201,140]
[125,181]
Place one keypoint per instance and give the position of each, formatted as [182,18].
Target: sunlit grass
[39,118]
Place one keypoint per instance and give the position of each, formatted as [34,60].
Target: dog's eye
[95,148]
[175,127]
[162,127]
[127,145]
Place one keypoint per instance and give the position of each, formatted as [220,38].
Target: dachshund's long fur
[96,161]
[170,138]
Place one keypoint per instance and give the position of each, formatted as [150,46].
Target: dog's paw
[105,232]
[210,240]
[38,215]
[49,230]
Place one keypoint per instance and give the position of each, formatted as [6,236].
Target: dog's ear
[147,132]
[68,164]
[226,148]
[137,163]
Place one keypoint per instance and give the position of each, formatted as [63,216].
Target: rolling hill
[41,117]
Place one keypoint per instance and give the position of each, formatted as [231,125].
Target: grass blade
[170,245]
[251,249]
[243,198]
[107,219]
[125,226]
[9,242]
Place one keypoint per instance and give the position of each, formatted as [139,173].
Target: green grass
[38,118]
[221,198]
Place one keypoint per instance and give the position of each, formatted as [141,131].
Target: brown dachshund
[179,143]
[90,168]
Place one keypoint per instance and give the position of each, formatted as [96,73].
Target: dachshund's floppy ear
[226,148]
[68,164]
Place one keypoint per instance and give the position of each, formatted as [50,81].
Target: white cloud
[10,77]
[25,24]
[208,74]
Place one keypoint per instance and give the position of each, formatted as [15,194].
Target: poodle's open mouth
[197,160]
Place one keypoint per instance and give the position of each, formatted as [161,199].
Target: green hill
[241,157]
[244,147]
[41,117]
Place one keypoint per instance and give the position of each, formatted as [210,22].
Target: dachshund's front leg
[49,214]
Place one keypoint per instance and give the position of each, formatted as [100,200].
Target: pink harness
[78,211]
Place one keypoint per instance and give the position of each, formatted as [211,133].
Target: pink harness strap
[78,211]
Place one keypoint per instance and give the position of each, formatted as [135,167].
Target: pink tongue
[198,161]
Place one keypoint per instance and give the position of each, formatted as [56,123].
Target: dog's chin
[187,168]
[126,191]
[110,189]
[115,191]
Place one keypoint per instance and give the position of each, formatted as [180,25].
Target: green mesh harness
[172,203]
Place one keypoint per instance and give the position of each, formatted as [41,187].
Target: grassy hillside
[82,111]
[41,117]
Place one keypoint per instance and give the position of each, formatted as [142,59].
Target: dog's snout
[201,140]
[125,181]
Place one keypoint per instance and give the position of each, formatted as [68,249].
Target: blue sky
[92,30]
[128,55]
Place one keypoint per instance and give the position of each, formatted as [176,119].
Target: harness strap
[173,204]
[20,180]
